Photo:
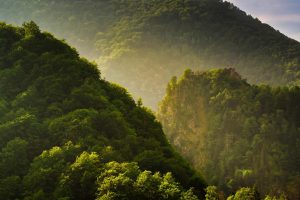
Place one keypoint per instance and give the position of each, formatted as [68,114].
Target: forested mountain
[142,44]
[65,133]
[235,133]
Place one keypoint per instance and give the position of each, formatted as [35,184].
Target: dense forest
[142,44]
[235,133]
[68,131]
[65,133]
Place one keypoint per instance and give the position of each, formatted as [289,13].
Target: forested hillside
[65,133]
[235,133]
[142,44]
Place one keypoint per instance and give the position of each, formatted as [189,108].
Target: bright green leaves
[46,169]
[127,181]
[68,173]
[169,188]
[78,181]
[245,194]
[211,193]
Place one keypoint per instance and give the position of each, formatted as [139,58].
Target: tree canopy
[142,44]
[236,134]
[66,133]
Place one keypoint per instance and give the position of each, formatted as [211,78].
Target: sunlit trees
[245,194]
[211,193]
[236,134]
[127,181]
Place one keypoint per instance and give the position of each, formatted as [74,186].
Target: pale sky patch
[283,15]
[285,18]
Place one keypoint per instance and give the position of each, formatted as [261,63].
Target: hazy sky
[283,15]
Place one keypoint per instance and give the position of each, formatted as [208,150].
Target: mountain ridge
[65,133]
[142,44]
[237,134]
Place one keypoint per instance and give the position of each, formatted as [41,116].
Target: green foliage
[211,193]
[11,187]
[78,181]
[142,44]
[188,195]
[60,125]
[236,134]
[31,29]
[245,194]
[281,197]
[127,181]
[13,158]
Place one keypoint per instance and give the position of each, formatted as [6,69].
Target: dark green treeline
[65,133]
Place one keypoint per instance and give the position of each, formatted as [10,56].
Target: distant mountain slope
[65,133]
[237,134]
[142,44]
